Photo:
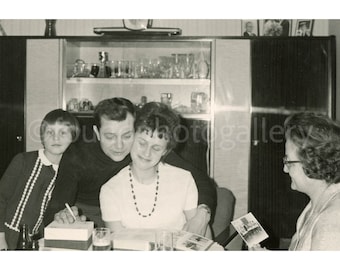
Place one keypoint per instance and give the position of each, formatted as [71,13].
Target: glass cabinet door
[174,72]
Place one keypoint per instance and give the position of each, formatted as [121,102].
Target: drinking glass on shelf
[113,67]
[120,69]
[101,239]
[130,69]
[166,98]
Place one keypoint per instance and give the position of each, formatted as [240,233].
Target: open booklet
[249,229]
[190,241]
[143,239]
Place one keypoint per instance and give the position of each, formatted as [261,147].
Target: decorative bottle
[104,69]
[24,240]
[50,30]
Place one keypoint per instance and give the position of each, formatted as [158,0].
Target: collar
[45,160]
[330,192]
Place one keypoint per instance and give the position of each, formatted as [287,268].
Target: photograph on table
[304,28]
[275,27]
[249,229]
[249,28]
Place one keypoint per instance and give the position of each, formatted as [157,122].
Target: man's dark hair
[113,109]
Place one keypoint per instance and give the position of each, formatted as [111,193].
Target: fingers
[64,216]
[82,218]
[75,211]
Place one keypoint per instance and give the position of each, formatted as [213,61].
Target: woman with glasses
[313,162]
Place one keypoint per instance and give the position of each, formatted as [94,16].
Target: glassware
[94,70]
[164,240]
[104,70]
[24,240]
[166,98]
[199,102]
[101,239]
[203,67]
[176,68]
[189,59]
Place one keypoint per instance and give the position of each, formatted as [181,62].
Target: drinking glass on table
[164,240]
[101,239]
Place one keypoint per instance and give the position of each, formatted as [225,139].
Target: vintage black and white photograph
[304,28]
[250,28]
[175,124]
[249,229]
[275,27]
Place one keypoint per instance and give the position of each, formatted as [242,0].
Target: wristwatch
[205,207]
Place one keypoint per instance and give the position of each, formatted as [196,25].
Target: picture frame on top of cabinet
[304,28]
[249,28]
[275,27]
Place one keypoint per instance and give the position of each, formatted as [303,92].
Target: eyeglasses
[288,162]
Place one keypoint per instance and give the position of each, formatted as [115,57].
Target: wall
[190,27]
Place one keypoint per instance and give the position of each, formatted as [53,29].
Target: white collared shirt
[46,161]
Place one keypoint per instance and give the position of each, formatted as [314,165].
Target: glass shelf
[202,82]
[196,116]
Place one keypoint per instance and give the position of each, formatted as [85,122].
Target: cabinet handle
[19,138]
[256,142]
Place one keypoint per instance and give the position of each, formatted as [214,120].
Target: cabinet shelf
[196,116]
[138,81]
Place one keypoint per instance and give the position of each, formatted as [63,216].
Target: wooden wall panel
[43,85]
[232,119]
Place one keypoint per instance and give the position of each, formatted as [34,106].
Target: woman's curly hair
[318,140]
[156,116]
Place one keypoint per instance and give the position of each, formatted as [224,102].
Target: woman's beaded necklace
[135,198]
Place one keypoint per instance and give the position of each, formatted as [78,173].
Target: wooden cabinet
[12,97]
[288,75]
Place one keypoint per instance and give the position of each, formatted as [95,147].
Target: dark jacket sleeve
[66,186]
[205,185]
[8,184]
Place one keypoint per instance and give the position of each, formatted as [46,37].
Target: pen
[70,210]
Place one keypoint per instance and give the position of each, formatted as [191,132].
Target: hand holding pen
[69,215]
[71,212]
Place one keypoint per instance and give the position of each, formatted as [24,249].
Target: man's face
[116,137]
[249,27]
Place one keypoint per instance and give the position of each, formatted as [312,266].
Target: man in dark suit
[249,30]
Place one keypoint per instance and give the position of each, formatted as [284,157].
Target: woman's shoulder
[117,180]
[330,212]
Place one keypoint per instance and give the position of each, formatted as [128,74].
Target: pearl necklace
[135,198]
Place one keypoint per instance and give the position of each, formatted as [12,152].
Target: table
[135,239]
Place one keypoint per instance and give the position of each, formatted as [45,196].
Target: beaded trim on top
[135,198]
[14,225]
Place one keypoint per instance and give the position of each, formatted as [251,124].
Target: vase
[50,29]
